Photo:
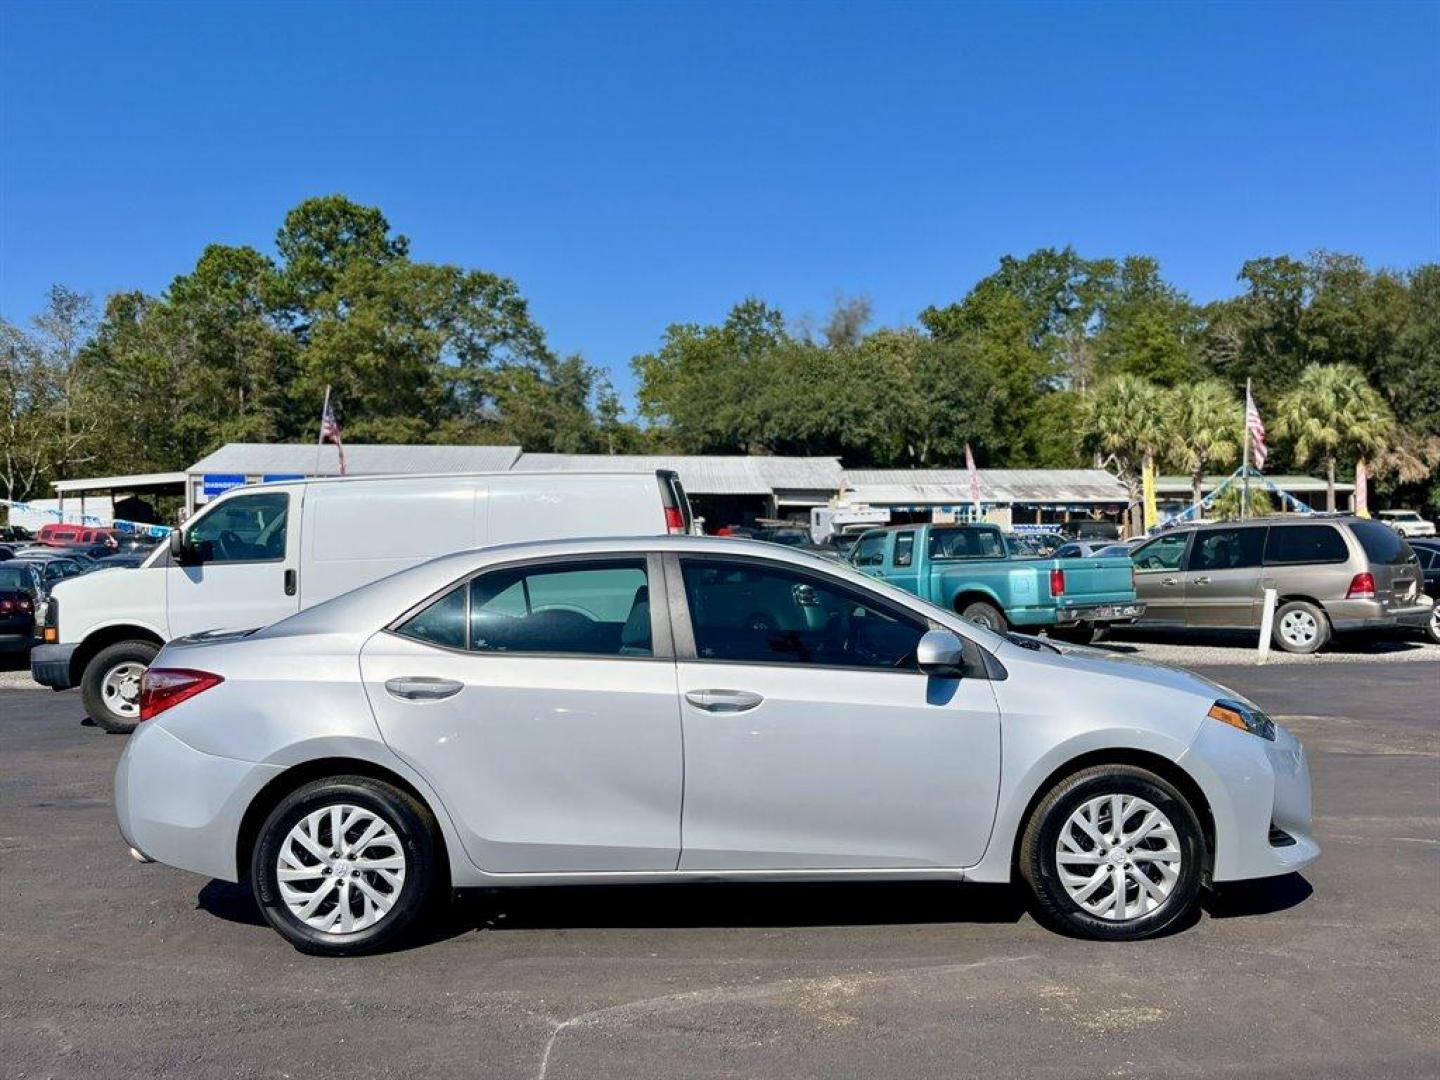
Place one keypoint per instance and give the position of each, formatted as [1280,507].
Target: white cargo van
[260,553]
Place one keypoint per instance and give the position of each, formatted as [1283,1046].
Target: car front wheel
[1114,853]
[346,865]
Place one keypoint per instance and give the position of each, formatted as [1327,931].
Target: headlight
[1245,717]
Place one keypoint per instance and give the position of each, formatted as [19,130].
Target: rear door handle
[423,688]
[1202,581]
[1169,581]
[723,701]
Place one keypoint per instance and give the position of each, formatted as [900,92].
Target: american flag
[974,480]
[1256,429]
[330,431]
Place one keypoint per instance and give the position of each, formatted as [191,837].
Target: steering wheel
[228,543]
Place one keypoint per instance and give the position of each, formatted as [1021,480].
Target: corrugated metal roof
[1285,482]
[107,483]
[706,474]
[363,459]
[952,486]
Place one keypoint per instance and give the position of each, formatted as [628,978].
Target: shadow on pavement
[1240,899]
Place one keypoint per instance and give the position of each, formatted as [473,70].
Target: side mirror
[941,653]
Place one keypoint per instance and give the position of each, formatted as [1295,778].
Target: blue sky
[633,165]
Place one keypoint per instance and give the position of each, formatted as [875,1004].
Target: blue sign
[219,483]
[280,478]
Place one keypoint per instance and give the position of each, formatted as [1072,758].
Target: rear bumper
[50,665]
[1347,615]
[1107,613]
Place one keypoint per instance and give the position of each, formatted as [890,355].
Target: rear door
[539,700]
[1222,579]
[1159,578]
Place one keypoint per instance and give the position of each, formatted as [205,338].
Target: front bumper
[1259,795]
[182,807]
[50,665]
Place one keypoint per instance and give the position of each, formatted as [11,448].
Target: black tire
[1078,634]
[92,683]
[1431,632]
[1037,861]
[425,878]
[1307,614]
[984,614]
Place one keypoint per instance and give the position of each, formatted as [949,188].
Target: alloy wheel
[1118,857]
[1299,628]
[340,869]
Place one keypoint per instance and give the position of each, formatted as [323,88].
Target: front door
[1159,579]
[1222,579]
[249,546]
[812,741]
[539,701]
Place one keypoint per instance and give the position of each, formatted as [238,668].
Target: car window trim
[684,630]
[662,645]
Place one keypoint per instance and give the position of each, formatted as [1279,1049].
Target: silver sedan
[682,708]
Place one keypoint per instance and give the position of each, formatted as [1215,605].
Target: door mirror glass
[177,546]
[941,653]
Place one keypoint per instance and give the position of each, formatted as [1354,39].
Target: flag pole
[320,442]
[1245,460]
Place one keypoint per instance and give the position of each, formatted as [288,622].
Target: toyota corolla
[680,709]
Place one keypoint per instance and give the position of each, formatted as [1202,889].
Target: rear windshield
[12,577]
[1381,543]
[966,544]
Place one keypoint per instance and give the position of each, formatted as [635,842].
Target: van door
[1159,580]
[248,552]
[1222,579]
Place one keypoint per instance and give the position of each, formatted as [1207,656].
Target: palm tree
[1204,425]
[1333,412]
[1122,419]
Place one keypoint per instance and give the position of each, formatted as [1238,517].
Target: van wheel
[987,615]
[110,686]
[347,865]
[1300,627]
[1432,628]
[1114,853]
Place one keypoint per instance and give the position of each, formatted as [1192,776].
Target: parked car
[125,561]
[1407,522]
[540,714]
[796,537]
[1428,553]
[52,566]
[7,551]
[87,553]
[968,569]
[1332,575]
[20,592]
[61,535]
[258,554]
[136,543]
[1083,549]
[1124,547]
[1090,530]
[15,534]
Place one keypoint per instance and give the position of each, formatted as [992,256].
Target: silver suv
[1332,575]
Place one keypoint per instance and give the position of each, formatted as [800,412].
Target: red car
[75,536]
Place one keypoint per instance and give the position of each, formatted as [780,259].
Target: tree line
[1052,360]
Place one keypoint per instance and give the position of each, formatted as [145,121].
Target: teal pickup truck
[971,570]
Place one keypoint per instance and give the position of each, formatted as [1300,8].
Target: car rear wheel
[1114,853]
[110,686]
[1300,627]
[987,615]
[347,865]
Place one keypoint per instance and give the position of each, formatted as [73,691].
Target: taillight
[1057,582]
[674,520]
[1362,587]
[164,688]
[7,606]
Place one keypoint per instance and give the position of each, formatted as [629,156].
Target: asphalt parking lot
[110,969]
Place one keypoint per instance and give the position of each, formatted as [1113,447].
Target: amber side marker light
[1227,716]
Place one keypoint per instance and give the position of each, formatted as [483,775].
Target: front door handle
[291,582]
[723,701]
[423,688]
[1202,581]
[1169,581]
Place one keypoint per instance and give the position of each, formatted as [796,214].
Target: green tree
[1333,414]
[1203,430]
[1122,422]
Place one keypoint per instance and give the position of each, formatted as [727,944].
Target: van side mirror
[182,553]
[941,653]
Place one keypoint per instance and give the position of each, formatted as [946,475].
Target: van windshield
[1382,544]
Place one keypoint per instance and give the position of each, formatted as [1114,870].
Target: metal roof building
[926,489]
[791,481]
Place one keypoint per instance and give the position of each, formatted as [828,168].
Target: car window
[1162,553]
[1068,551]
[1382,544]
[594,609]
[1228,549]
[904,548]
[870,551]
[966,544]
[247,528]
[751,613]
[1305,544]
[442,623]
